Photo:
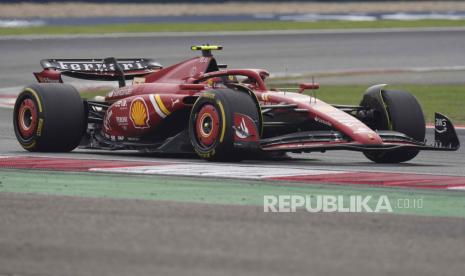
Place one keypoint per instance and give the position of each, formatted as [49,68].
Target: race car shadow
[359,164]
[132,153]
[350,160]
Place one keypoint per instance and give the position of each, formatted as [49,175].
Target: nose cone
[368,138]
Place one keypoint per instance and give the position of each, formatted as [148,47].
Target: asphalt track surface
[282,54]
[82,236]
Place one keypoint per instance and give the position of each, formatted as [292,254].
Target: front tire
[211,124]
[401,113]
[49,118]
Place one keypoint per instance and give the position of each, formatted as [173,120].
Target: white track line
[7,101]
[217,171]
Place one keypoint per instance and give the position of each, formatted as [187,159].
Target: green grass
[235,26]
[447,99]
[216,191]
[90,94]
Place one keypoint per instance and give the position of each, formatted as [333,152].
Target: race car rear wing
[108,69]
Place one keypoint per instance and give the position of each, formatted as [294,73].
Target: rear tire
[402,113]
[49,117]
[211,124]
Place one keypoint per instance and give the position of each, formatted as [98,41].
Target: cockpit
[250,78]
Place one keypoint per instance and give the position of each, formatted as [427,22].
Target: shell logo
[139,113]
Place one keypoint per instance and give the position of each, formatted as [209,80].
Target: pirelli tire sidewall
[223,148]
[60,118]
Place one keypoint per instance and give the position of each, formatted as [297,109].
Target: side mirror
[311,86]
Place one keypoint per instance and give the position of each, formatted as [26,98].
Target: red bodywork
[140,110]
[165,92]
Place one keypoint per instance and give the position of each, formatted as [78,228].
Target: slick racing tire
[402,113]
[49,117]
[211,126]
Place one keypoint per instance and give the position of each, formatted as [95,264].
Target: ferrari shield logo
[242,131]
[244,128]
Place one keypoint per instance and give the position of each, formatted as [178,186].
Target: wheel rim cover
[27,118]
[207,125]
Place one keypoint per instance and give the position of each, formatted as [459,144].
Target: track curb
[236,171]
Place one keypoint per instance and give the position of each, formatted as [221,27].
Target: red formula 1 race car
[200,106]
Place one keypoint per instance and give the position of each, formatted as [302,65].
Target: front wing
[445,139]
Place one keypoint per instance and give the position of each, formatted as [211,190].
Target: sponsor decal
[99,66]
[124,91]
[40,125]
[440,125]
[344,119]
[121,104]
[319,120]
[244,128]
[242,131]
[122,121]
[174,102]
[139,113]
